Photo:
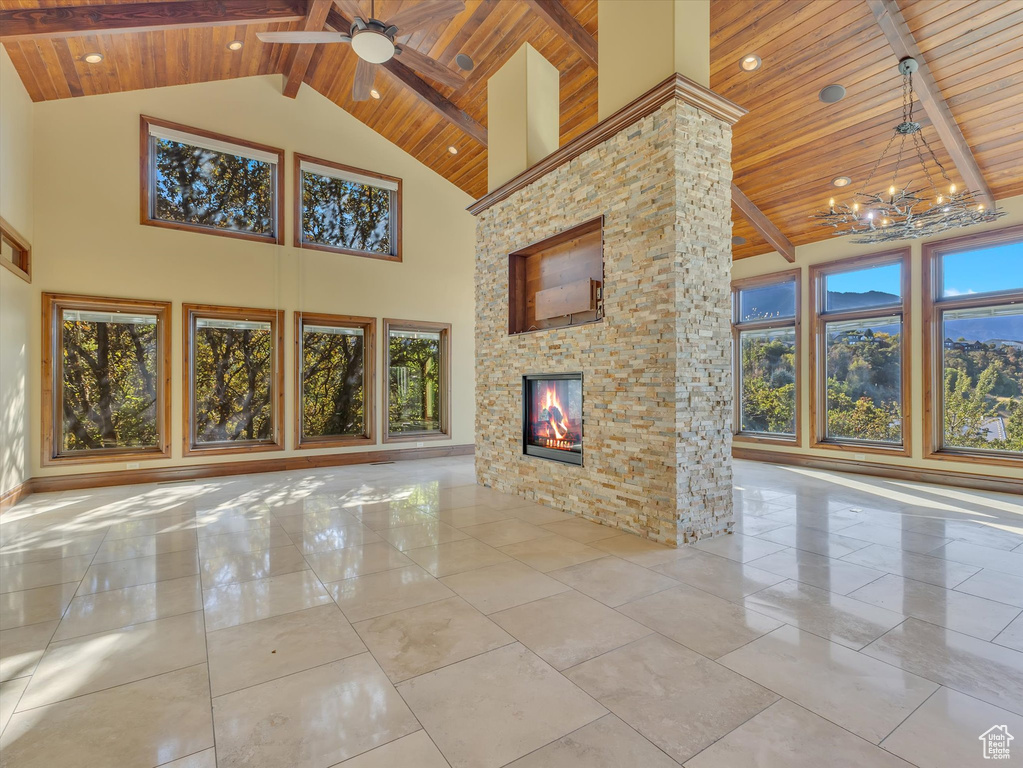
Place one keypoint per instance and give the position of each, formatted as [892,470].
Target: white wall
[15,294]
[842,248]
[89,240]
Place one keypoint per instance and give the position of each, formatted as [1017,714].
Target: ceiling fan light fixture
[750,63]
[235,45]
[372,46]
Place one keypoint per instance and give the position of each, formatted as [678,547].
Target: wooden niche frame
[147,175]
[818,352]
[189,314]
[348,171]
[793,276]
[444,329]
[53,305]
[368,326]
[934,308]
[21,265]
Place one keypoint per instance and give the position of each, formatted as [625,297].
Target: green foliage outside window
[768,360]
[199,186]
[864,381]
[983,396]
[345,214]
[233,372]
[332,382]
[413,378]
[109,379]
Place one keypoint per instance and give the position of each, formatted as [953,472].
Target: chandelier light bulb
[952,189]
[831,203]
[891,190]
[940,198]
[980,206]
[856,207]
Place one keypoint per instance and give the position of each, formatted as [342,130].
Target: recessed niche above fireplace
[552,416]
[559,281]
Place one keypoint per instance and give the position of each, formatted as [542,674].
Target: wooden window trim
[368,326]
[934,308]
[788,275]
[189,314]
[819,318]
[300,243]
[22,266]
[145,166]
[53,304]
[445,383]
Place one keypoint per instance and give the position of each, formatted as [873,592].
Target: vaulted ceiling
[786,150]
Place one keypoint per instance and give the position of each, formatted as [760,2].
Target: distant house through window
[973,339]
[860,374]
[108,361]
[234,384]
[206,182]
[347,210]
[416,396]
[765,342]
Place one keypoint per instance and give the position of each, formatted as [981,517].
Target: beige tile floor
[400,616]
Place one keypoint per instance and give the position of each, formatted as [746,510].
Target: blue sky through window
[884,279]
[983,271]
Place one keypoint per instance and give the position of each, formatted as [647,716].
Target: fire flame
[552,420]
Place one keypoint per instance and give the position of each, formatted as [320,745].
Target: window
[347,210]
[206,182]
[765,343]
[860,374]
[416,398]
[233,371]
[973,347]
[106,396]
[15,252]
[334,380]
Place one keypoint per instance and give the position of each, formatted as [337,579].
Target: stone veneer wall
[656,371]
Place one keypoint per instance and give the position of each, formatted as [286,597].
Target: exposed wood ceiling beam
[427,93]
[314,21]
[23,23]
[763,225]
[902,42]
[574,33]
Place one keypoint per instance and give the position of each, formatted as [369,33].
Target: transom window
[765,342]
[416,397]
[347,210]
[974,346]
[15,252]
[206,182]
[860,370]
[108,363]
[334,381]
[234,378]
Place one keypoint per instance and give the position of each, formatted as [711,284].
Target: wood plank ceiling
[786,150]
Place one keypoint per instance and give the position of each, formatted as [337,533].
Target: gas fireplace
[552,416]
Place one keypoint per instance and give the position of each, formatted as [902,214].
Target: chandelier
[905,213]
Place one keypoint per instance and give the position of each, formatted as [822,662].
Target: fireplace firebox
[552,416]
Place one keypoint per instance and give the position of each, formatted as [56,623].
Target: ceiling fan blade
[424,12]
[303,37]
[431,68]
[365,73]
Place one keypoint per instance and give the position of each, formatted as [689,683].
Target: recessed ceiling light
[831,93]
[453,150]
[93,58]
[374,93]
[841,181]
[738,240]
[464,61]
[235,45]
[750,63]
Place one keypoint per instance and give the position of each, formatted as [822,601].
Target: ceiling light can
[93,58]
[841,181]
[738,240]
[464,61]
[374,93]
[831,93]
[235,45]
[750,63]
[453,150]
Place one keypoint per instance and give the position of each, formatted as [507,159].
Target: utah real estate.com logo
[996,742]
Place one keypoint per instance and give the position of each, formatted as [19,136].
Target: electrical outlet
[133,465]
[419,445]
[860,456]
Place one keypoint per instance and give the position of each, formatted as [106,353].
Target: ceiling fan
[373,42]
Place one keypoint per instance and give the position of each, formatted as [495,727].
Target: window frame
[787,276]
[53,305]
[22,265]
[444,387]
[818,354]
[190,313]
[368,326]
[396,221]
[934,308]
[147,176]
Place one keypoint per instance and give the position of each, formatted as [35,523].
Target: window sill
[877,450]
[106,456]
[419,437]
[338,442]
[225,450]
[969,457]
[749,437]
[348,251]
[182,227]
